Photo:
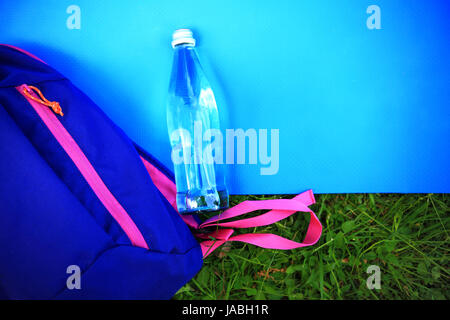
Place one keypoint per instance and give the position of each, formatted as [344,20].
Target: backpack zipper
[27,90]
[40,105]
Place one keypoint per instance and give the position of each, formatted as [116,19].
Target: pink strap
[282,209]
[264,240]
[168,190]
[279,209]
[162,182]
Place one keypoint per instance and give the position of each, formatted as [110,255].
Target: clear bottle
[193,124]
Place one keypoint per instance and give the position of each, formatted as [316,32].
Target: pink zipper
[85,167]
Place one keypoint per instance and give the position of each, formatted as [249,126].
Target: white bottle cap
[182,36]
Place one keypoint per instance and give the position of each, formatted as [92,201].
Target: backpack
[78,198]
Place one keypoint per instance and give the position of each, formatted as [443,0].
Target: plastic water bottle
[193,124]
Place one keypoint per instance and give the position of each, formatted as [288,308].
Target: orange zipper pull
[27,90]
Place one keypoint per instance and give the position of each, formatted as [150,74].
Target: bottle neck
[184,45]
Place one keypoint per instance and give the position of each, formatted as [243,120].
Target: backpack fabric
[77,195]
[50,217]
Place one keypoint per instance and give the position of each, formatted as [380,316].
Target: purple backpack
[77,195]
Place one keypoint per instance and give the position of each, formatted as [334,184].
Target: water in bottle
[193,124]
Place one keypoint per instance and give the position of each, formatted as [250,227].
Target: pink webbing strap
[264,240]
[286,207]
[282,208]
[279,209]
[168,190]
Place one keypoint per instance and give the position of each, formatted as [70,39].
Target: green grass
[405,235]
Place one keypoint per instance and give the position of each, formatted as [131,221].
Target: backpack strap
[281,209]
[168,189]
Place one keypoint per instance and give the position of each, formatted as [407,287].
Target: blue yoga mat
[359,91]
